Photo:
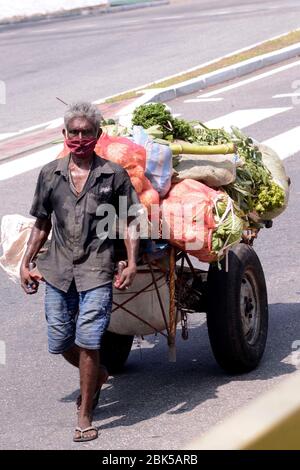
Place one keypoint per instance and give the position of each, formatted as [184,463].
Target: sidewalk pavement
[17,145]
[20,144]
[113,7]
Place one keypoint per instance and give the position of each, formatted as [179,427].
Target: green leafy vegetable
[229,230]
[254,188]
[157,114]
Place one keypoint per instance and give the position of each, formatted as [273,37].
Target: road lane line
[56,123]
[29,129]
[287,95]
[203,100]
[250,80]
[163,18]
[46,30]
[28,163]
[6,135]
[2,353]
[285,144]
[244,117]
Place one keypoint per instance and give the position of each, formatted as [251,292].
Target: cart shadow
[153,386]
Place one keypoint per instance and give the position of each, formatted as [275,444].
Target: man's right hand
[28,283]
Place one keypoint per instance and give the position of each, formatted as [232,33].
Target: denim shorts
[79,318]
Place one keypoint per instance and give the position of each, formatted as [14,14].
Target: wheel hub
[249,308]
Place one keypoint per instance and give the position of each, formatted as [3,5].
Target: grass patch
[123,96]
[266,47]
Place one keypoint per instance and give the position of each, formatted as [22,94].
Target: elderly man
[78,267]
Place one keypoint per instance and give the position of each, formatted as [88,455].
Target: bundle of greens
[254,188]
[230,225]
[157,114]
[160,123]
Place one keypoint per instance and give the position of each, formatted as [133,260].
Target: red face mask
[81,148]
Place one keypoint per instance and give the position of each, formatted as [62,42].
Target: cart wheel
[115,350]
[237,311]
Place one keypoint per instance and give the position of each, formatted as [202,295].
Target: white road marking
[55,123]
[227,11]
[163,18]
[6,135]
[203,100]
[242,9]
[244,117]
[286,95]
[81,26]
[250,80]
[285,144]
[45,30]
[133,21]
[45,125]
[30,162]
[2,353]
[33,128]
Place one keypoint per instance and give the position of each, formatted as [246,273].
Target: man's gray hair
[85,110]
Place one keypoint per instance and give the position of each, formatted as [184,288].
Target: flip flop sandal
[81,438]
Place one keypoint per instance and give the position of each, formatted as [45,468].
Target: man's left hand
[126,278]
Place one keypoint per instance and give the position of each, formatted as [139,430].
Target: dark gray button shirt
[76,252]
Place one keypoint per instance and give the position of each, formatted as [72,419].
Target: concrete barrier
[271,422]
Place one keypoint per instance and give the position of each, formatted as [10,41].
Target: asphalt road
[97,56]
[155,404]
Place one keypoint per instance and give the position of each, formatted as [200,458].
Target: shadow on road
[153,386]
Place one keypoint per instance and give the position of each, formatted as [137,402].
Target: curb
[136,6]
[215,78]
[86,11]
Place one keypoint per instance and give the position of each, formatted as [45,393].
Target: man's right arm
[38,237]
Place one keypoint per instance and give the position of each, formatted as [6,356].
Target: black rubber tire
[235,350]
[115,350]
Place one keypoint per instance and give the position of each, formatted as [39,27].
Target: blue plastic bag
[159,166]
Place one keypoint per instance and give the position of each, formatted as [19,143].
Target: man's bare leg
[88,370]
[73,355]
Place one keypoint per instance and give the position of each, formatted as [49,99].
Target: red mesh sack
[149,196]
[130,156]
[188,220]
